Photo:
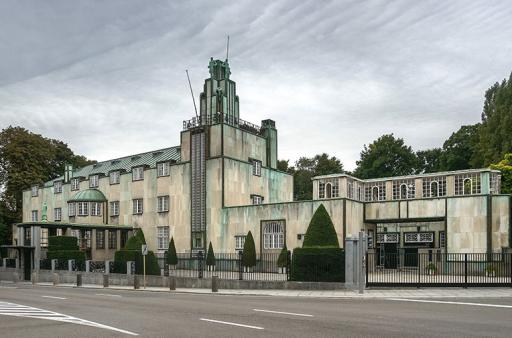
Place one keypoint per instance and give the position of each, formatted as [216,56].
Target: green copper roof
[126,163]
[88,195]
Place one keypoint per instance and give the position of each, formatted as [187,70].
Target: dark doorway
[390,256]
[411,257]
[27,263]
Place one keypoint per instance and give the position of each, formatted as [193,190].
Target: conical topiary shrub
[172,258]
[249,254]
[132,251]
[282,260]
[321,232]
[210,257]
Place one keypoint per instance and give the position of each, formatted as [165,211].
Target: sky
[108,77]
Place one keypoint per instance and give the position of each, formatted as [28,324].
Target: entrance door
[390,256]
[411,257]
[27,263]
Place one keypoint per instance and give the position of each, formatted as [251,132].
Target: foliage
[172,257]
[132,252]
[386,156]
[249,253]
[57,243]
[210,256]
[459,150]
[77,255]
[27,159]
[429,161]
[431,267]
[282,260]
[505,166]
[494,135]
[321,232]
[318,264]
[136,241]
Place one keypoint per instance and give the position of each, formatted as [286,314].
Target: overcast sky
[108,77]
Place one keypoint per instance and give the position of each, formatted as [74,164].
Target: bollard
[55,279]
[215,284]
[172,283]
[105,281]
[34,278]
[78,279]
[136,283]
[15,277]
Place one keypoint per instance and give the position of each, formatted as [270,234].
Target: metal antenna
[227,50]
[191,93]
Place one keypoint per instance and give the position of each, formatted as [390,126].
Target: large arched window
[403,191]
[273,235]
[375,193]
[467,184]
[434,189]
[328,190]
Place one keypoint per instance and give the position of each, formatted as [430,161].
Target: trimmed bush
[210,256]
[57,243]
[64,255]
[282,260]
[249,254]
[135,242]
[321,231]
[132,252]
[318,264]
[172,258]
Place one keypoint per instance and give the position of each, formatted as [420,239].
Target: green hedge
[123,256]
[172,258]
[282,260]
[77,255]
[318,264]
[249,254]
[57,243]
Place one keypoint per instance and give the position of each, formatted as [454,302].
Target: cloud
[108,77]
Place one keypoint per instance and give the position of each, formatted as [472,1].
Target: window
[434,186]
[83,208]
[95,209]
[138,173]
[100,239]
[321,190]
[467,184]
[197,240]
[256,199]
[375,191]
[93,181]
[239,242]
[44,238]
[162,235]
[114,208]
[57,214]
[442,239]
[273,235]
[404,189]
[162,204]
[162,169]
[112,239]
[34,215]
[34,190]
[495,183]
[57,187]
[256,167]
[71,209]
[75,184]
[115,177]
[137,206]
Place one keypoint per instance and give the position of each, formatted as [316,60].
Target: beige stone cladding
[426,208]
[500,222]
[382,210]
[296,215]
[354,217]
[242,145]
[467,224]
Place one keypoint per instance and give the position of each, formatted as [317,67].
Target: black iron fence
[439,269]
[97,266]
[10,263]
[45,264]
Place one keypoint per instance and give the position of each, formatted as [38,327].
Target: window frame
[100,239]
[75,184]
[82,209]
[95,208]
[57,187]
[239,242]
[71,209]
[273,240]
[257,165]
[36,213]
[94,181]
[114,177]
[136,204]
[57,212]
[162,237]
[112,208]
[257,198]
[140,175]
[166,169]
[34,191]
[160,206]
[112,239]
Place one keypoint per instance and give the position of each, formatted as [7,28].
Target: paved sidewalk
[369,293]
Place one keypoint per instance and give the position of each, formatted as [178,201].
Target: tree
[494,135]
[210,256]
[459,150]
[282,260]
[386,156]
[283,165]
[249,253]
[26,159]
[429,161]
[505,166]
[172,257]
[321,232]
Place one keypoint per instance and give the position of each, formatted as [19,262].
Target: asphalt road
[156,314]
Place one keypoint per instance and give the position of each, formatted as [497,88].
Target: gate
[439,269]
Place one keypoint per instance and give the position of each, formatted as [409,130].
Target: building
[222,181]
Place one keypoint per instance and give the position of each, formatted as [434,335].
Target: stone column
[36,243]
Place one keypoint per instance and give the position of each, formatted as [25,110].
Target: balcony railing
[231,120]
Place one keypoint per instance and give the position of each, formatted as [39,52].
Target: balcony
[231,120]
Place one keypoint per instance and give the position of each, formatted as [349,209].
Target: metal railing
[97,266]
[221,118]
[439,269]
[45,264]
[10,263]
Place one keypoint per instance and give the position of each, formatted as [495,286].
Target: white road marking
[17,310]
[284,313]
[53,297]
[448,302]
[106,294]
[230,323]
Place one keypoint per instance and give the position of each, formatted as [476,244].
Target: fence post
[129,268]
[200,264]
[510,267]
[240,268]
[70,264]
[54,264]
[88,266]
[419,270]
[465,271]
[288,265]
[367,263]
[107,267]
[4,263]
